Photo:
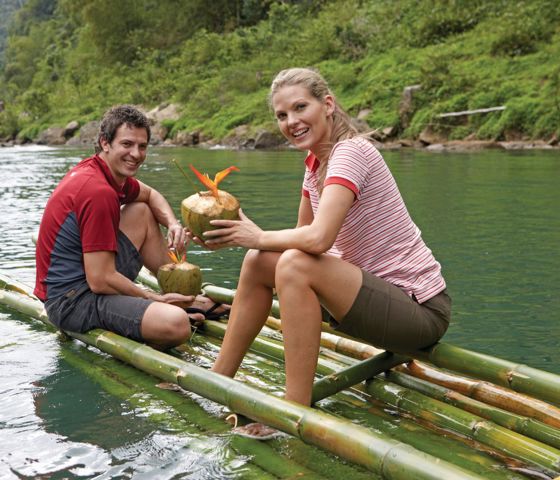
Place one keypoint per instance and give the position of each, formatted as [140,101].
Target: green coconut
[199,209]
[184,278]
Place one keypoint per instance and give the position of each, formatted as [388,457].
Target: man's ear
[104,144]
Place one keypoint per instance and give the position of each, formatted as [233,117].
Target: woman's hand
[232,233]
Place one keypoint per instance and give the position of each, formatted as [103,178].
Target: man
[90,249]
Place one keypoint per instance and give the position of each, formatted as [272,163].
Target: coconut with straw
[179,276]
[201,208]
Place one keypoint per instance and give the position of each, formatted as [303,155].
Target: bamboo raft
[459,414]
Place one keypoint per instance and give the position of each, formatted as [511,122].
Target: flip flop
[211,313]
[265,432]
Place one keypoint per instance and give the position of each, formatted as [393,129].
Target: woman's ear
[329,105]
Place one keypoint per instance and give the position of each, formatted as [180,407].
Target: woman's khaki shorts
[386,317]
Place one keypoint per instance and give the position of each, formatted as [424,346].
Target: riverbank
[249,143]
[168,128]
[412,71]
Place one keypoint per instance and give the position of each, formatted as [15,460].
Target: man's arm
[163,213]
[103,278]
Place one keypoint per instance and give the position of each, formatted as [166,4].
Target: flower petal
[223,174]
[206,181]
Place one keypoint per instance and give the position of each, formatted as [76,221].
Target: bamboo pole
[440,414]
[518,423]
[458,450]
[488,393]
[449,417]
[388,458]
[185,415]
[517,403]
[337,343]
[524,425]
[158,414]
[310,462]
[349,376]
[518,377]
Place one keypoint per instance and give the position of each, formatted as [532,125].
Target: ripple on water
[26,449]
[490,219]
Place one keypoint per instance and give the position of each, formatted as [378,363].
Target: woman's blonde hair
[316,85]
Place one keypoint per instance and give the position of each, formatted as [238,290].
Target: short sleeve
[98,215]
[131,189]
[350,164]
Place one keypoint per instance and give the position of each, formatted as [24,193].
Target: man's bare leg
[163,325]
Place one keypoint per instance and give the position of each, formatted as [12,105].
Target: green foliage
[7,9]
[71,59]
[35,102]
[520,30]
[447,18]
[9,125]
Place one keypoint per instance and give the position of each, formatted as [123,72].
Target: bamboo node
[477,425]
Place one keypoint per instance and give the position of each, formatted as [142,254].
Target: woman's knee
[293,266]
[260,264]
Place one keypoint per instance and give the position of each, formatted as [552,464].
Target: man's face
[126,152]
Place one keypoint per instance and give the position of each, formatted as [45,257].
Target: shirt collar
[312,162]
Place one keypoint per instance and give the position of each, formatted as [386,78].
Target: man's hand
[176,236]
[182,301]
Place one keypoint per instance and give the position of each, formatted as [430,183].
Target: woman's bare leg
[303,283]
[250,309]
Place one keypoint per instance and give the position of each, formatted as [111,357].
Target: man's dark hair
[117,116]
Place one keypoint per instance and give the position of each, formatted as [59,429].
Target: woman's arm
[315,238]
[305,213]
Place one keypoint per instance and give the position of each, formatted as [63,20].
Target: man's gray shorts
[80,310]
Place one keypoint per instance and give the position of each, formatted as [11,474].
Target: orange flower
[212,185]
[172,254]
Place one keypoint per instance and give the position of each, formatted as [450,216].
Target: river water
[492,219]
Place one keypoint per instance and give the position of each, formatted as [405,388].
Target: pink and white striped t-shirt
[378,234]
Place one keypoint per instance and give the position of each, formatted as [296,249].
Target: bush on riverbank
[68,60]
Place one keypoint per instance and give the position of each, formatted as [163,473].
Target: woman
[355,252]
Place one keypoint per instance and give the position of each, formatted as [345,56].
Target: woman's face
[302,119]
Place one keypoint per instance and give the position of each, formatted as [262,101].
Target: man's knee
[166,324]
[136,212]
[180,331]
